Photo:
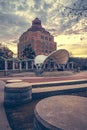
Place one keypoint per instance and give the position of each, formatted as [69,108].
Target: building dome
[36,21]
[36,25]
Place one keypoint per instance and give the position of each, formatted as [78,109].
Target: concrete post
[32,65]
[6,66]
[20,66]
[13,65]
[26,65]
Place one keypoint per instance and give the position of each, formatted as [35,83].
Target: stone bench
[13,81]
[17,93]
[61,113]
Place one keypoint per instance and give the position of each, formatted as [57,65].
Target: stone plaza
[22,116]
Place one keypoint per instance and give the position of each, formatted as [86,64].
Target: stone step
[58,83]
[58,90]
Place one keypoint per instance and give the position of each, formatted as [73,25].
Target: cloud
[77,50]
[21,13]
[11,25]
[59,17]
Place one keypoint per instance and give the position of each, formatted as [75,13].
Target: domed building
[42,41]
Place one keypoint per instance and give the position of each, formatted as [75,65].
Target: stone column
[20,66]
[6,65]
[32,65]
[13,65]
[26,65]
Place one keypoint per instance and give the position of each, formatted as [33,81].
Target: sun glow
[73,43]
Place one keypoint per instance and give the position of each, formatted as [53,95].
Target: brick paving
[60,77]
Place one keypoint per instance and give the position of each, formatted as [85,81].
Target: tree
[28,52]
[77,9]
[5,52]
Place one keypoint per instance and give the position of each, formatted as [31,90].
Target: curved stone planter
[61,113]
[13,81]
[17,93]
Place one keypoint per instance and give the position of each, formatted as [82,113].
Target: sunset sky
[65,19]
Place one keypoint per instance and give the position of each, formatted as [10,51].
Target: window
[42,42]
[46,51]
[50,39]
[46,38]
[42,47]
[42,37]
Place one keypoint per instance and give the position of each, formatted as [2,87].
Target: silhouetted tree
[79,62]
[28,52]
[5,52]
[77,9]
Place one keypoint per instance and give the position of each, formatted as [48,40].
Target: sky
[66,20]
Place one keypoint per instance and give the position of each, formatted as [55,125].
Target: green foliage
[5,52]
[79,62]
[2,64]
[76,10]
[28,52]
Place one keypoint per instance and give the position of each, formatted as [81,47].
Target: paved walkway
[4,125]
[75,76]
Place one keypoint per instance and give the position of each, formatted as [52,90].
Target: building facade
[42,41]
